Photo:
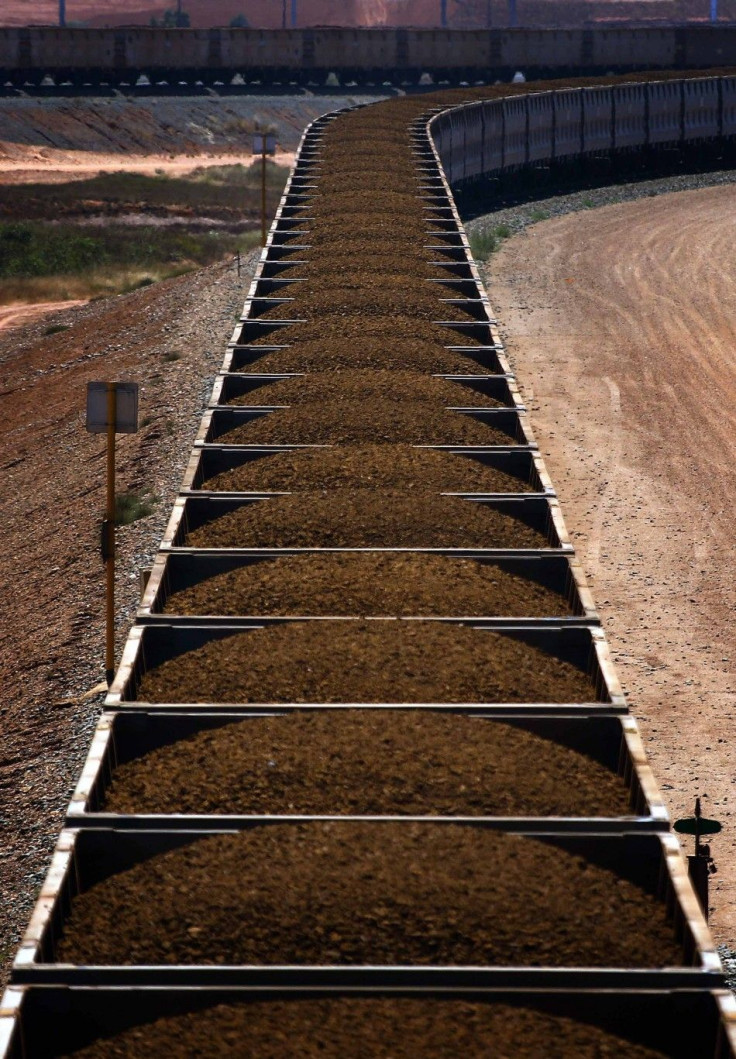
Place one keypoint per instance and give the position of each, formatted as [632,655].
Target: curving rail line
[296,588]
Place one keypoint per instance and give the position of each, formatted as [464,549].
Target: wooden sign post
[112,408]
[263,143]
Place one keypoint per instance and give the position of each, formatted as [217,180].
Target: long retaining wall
[406,800]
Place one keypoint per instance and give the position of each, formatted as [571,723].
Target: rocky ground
[164,124]
[517,219]
[170,338]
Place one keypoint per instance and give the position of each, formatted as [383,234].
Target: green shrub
[482,244]
[235,189]
[132,506]
[485,241]
[34,248]
[30,249]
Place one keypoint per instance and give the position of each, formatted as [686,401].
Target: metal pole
[62,12]
[698,865]
[443,13]
[714,10]
[698,814]
[110,543]
[489,18]
[263,189]
[293,14]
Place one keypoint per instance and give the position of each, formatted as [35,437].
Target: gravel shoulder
[518,218]
[48,131]
[51,595]
[619,322]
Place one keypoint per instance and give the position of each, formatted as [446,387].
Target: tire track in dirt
[637,302]
[19,313]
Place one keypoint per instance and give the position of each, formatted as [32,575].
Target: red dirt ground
[51,592]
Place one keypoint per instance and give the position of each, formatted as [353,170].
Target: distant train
[540,128]
[488,137]
[362,56]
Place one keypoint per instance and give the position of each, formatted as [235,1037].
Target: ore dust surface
[620,324]
[331,1028]
[380,761]
[354,892]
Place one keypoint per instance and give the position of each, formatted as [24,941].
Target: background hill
[271,14]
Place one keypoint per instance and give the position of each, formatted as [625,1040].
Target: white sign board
[126,407]
[258,146]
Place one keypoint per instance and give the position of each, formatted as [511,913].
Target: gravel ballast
[518,218]
[341,1027]
[366,661]
[399,467]
[355,518]
[369,585]
[380,762]
[362,893]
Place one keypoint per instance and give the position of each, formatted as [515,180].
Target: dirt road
[20,164]
[18,314]
[620,323]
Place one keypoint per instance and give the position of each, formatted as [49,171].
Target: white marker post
[112,407]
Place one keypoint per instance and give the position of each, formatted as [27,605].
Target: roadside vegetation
[129,507]
[119,231]
[485,241]
[232,190]
[42,262]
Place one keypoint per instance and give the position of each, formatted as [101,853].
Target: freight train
[540,128]
[61,998]
[122,56]
[59,1002]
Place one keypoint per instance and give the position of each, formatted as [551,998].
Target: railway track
[366,782]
